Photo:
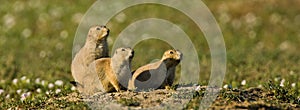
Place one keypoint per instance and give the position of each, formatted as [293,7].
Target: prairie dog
[155,75]
[114,73]
[95,47]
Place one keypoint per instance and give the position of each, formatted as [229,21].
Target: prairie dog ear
[89,33]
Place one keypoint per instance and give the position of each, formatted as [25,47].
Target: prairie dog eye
[123,49]
[171,52]
[98,28]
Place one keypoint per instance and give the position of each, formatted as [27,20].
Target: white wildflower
[59,82]
[243,82]
[25,95]
[27,80]
[197,88]
[73,88]
[38,90]
[28,93]
[275,18]
[59,46]
[43,82]
[1,91]
[57,91]
[285,45]
[19,91]
[15,81]
[47,92]
[23,78]
[43,54]
[293,84]
[9,21]
[22,98]
[282,83]
[260,86]
[224,18]
[7,96]
[251,18]
[76,18]
[50,85]
[26,33]
[37,80]
[225,86]
[292,72]
[64,34]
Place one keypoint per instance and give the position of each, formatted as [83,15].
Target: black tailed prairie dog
[114,73]
[155,75]
[95,47]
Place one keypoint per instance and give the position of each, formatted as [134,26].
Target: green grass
[37,94]
[262,40]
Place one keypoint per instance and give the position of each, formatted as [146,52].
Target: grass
[271,96]
[262,41]
[128,102]
[37,94]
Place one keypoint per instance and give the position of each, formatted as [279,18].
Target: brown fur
[162,73]
[113,72]
[95,47]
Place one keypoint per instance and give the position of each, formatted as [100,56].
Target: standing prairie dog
[95,47]
[115,72]
[159,74]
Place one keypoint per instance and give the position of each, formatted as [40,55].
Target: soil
[184,97]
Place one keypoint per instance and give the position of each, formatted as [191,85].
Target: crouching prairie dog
[155,75]
[115,72]
[95,47]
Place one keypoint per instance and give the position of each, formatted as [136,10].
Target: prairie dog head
[121,64]
[124,53]
[98,32]
[172,57]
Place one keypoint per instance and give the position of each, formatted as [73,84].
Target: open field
[262,40]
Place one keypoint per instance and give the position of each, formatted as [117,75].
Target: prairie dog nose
[132,52]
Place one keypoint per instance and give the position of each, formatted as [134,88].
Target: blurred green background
[262,38]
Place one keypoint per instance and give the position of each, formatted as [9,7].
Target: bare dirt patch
[185,97]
